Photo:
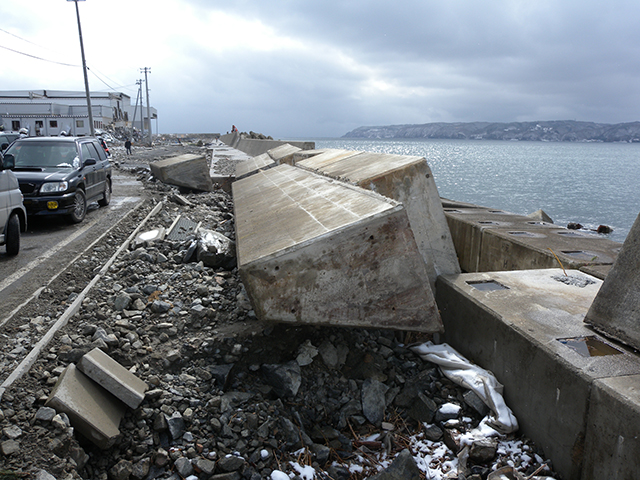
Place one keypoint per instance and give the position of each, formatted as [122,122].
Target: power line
[23,39]
[56,62]
[38,58]
[50,61]
[96,75]
[112,88]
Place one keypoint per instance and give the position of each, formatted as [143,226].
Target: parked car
[13,216]
[61,175]
[6,138]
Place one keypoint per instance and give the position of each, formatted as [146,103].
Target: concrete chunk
[189,170]
[93,411]
[314,250]
[113,377]
[616,309]
[406,179]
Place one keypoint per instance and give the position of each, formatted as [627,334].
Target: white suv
[13,216]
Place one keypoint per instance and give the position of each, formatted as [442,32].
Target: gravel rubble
[231,397]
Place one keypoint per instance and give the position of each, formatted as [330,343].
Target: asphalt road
[51,244]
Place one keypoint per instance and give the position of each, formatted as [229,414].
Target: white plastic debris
[462,372]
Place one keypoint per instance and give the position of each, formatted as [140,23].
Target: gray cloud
[339,65]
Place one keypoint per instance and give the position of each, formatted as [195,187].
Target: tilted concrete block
[113,377]
[304,154]
[616,309]
[406,179]
[315,250]
[283,153]
[92,410]
[189,170]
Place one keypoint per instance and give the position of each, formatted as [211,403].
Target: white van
[13,216]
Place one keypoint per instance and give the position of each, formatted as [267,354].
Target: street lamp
[84,70]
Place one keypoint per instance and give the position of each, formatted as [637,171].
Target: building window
[53,123]
[79,123]
[15,125]
[39,127]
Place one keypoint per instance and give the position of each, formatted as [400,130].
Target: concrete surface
[113,377]
[220,151]
[523,249]
[598,271]
[487,239]
[93,411]
[406,179]
[254,164]
[315,250]
[612,444]
[616,309]
[304,154]
[189,170]
[523,334]
[283,153]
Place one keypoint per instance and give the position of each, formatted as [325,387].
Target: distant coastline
[545,131]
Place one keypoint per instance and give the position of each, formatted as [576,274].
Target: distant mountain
[552,131]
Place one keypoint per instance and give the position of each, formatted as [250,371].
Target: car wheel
[104,201]
[79,207]
[13,235]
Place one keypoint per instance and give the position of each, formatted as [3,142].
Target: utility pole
[84,71]
[146,70]
[138,96]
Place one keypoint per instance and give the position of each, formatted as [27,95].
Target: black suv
[61,175]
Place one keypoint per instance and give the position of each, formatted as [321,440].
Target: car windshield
[44,154]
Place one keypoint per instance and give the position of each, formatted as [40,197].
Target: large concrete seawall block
[616,309]
[304,154]
[494,240]
[284,153]
[406,179]
[189,170]
[255,147]
[93,411]
[612,443]
[527,328]
[315,250]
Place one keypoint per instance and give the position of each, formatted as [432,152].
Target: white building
[50,112]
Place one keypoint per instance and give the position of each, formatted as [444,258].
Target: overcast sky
[307,69]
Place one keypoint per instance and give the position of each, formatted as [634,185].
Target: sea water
[588,183]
